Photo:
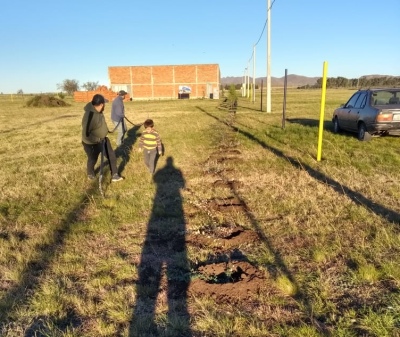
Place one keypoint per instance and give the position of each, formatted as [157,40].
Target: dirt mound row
[228,277]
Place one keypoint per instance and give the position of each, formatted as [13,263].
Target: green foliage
[232,93]
[380,324]
[364,81]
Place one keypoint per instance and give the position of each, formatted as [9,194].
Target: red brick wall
[86,96]
[149,82]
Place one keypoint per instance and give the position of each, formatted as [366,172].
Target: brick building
[166,82]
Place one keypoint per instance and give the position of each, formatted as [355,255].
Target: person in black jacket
[94,135]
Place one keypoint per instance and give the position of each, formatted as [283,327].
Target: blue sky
[44,42]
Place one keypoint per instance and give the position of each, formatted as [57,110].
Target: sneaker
[116,177]
[91,177]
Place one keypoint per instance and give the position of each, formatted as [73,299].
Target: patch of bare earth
[234,280]
[228,282]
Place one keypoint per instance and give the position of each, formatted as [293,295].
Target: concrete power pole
[254,73]
[269,56]
[248,80]
[245,82]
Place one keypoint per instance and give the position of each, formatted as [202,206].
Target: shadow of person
[164,268]
[125,149]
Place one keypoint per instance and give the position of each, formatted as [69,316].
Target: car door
[356,113]
[344,112]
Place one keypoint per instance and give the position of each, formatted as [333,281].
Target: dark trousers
[93,151]
[149,157]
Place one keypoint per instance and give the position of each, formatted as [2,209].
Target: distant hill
[293,80]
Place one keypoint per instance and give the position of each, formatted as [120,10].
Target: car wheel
[336,127]
[363,135]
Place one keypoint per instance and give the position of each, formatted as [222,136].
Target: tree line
[342,82]
[362,82]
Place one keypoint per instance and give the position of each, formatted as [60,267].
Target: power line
[262,32]
[265,24]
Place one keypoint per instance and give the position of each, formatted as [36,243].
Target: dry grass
[327,232]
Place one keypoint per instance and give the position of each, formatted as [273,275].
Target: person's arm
[159,143]
[141,142]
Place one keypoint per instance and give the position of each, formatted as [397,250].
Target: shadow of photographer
[164,267]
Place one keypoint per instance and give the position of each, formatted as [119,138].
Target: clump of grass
[368,273]
[380,324]
[284,284]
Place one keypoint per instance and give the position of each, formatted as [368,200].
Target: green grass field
[241,231]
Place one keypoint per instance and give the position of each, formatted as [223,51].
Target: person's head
[122,93]
[148,123]
[99,102]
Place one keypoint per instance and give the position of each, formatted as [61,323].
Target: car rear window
[386,97]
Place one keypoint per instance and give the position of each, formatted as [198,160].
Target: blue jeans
[121,129]
[149,157]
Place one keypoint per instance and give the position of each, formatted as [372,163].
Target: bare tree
[69,86]
[90,86]
[20,92]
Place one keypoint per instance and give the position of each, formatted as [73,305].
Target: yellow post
[12,100]
[322,113]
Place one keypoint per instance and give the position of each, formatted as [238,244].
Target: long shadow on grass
[357,197]
[30,279]
[164,267]
[125,149]
[278,266]
[27,126]
[328,126]
[304,121]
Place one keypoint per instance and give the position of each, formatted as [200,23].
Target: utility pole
[245,82]
[254,73]
[248,80]
[269,56]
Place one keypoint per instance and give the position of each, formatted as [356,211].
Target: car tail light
[384,117]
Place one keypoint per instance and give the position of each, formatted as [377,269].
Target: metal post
[284,101]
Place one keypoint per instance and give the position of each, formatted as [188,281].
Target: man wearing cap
[94,135]
[118,116]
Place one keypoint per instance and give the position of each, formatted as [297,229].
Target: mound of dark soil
[46,101]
